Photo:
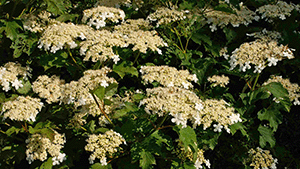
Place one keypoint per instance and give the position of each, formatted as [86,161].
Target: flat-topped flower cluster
[262,159]
[12,74]
[183,104]
[38,147]
[22,108]
[260,54]
[104,145]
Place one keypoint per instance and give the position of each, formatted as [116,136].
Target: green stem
[136,58]
[163,120]
[70,53]
[255,82]
[102,111]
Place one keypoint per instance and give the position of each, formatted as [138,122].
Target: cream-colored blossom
[218,80]
[37,23]
[184,105]
[292,88]
[99,15]
[200,160]
[280,10]
[262,159]
[50,88]
[266,35]
[222,19]
[260,54]
[63,35]
[168,76]
[104,145]
[22,108]
[38,147]
[164,16]
[99,46]
[11,75]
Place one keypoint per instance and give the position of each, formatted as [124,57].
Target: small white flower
[199,106]
[103,161]
[82,101]
[17,84]
[185,85]
[115,58]
[5,85]
[213,27]
[104,83]
[272,61]
[198,164]
[195,79]
[72,45]
[259,68]
[171,84]
[218,127]
[235,118]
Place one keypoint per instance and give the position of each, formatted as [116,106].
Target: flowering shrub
[149,84]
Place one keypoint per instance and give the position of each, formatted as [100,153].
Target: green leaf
[277,90]
[99,92]
[23,44]
[124,68]
[224,7]
[272,115]
[56,6]
[92,126]
[12,130]
[128,107]
[230,34]
[26,88]
[239,126]
[188,137]
[200,37]
[11,29]
[146,159]
[111,89]
[266,136]
[47,164]
[59,59]
[99,166]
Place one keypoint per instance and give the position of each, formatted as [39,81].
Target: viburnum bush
[149,84]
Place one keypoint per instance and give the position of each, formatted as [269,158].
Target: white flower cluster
[280,10]
[104,145]
[260,54]
[168,76]
[10,74]
[262,159]
[37,23]
[38,146]
[49,88]
[266,35]
[218,80]
[60,35]
[22,108]
[164,16]
[99,15]
[222,19]
[183,104]
[200,160]
[292,88]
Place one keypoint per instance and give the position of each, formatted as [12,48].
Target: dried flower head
[292,88]
[262,159]
[104,145]
[280,10]
[164,16]
[22,108]
[99,15]
[39,145]
[168,76]
[222,19]
[218,80]
[260,54]
[50,88]
[11,74]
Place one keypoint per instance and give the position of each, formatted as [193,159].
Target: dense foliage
[149,84]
